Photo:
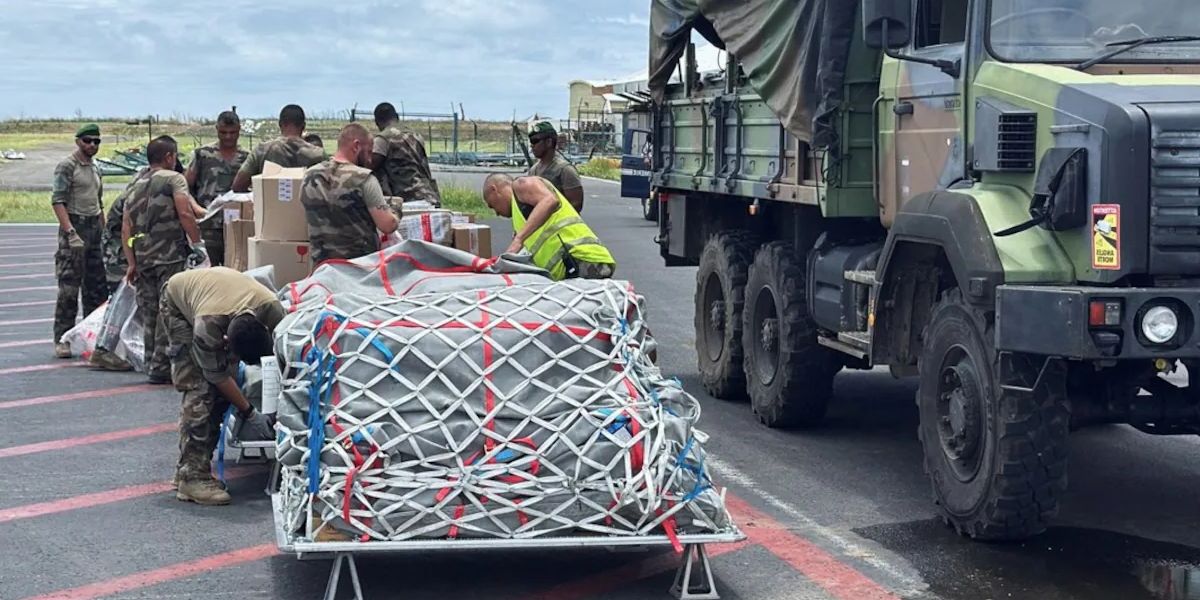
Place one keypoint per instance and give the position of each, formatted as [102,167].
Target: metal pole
[454,133]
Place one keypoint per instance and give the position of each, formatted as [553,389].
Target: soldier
[287,150]
[315,140]
[211,174]
[400,161]
[543,143]
[160,237]
[78,262]
[343,201]
[548,227]
[214,318]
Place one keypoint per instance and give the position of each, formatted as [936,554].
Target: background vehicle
[1001,198]
[635,170]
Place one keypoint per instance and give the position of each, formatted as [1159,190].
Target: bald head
[497,193]
[354,145]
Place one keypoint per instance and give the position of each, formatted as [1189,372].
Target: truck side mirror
[886,23]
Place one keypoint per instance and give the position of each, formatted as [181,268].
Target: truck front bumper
[1054,321]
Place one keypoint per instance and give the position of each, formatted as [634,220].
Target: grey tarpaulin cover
[794,52]
[428,393]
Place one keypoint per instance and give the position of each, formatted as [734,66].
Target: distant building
[589,98]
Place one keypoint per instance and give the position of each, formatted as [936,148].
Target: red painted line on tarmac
[88,395]
[121,494]
[45,367]
[174,572]
[19,265]
[599,584]
[838,579]
[31,276]
[21,343]
[23,304]
[87,440]
[25,322]
[37,288]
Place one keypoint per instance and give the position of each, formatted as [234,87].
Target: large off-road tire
[789,376]
[720,291]
[995,451]
[650,209]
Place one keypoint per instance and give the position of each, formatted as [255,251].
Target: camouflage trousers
[214,242]
[203,406]
[78,270]
[150,281]
[590,270]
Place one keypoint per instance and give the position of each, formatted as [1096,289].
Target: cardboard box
[237,243]
[474,238]
[292,260]
[239,211]
[278,212]
[431,226]
[462,218]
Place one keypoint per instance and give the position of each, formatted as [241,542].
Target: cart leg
[331,588]
[275,478]
[695,585]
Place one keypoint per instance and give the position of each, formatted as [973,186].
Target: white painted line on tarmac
[844,545]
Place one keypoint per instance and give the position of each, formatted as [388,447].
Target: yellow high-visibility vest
[564,226]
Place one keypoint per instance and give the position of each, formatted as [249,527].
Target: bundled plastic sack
[82,337]
[428,393]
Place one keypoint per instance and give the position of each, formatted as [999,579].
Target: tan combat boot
[205,492]
[62,350]
[107,361]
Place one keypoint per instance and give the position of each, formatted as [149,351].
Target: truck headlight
[1160,324]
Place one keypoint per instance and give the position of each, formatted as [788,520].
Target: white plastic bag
[121,307]
[82,337]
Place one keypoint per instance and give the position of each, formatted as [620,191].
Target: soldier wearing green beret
[78,262]
[543,143]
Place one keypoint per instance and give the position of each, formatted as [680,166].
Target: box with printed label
[278,211]
[462,218]
[430,226]
[237,240]
[474,238]
[292,260]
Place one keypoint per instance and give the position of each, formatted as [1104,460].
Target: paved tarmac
[843,511]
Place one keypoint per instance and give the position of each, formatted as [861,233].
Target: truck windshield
[1079,30]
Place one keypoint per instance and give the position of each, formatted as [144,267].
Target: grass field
[464,200]
[601,168]
[33,207]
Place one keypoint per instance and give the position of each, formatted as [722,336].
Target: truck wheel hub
[716,315]
[770,334]
[960,415]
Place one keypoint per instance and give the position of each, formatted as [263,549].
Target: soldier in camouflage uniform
[343,202]
[551,166]
[214,318]
[211,174]
[289,150]
[160,237]
[400,161]
[78,262]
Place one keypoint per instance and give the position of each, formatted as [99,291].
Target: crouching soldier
[214,318]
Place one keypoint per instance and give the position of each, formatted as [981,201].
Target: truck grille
[1017,142]
[1175,194]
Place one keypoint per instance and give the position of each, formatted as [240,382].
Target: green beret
[89,129]
[542,127]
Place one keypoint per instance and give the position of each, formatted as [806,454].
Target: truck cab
[1000,198]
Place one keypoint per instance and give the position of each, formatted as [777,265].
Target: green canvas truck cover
[794,52]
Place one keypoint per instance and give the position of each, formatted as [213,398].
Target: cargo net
[438,396]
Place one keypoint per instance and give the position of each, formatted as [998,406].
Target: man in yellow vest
[548,227]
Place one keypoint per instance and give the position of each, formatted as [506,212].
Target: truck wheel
[789,375]
[995,455]
[650,209]
[720,288]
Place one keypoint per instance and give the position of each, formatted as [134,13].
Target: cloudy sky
[129,57]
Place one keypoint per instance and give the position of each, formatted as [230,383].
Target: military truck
[1000,198]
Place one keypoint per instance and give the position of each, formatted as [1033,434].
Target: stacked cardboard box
[473,238]
[239,228]
[280,226]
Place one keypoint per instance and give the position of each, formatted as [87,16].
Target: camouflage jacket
[337,199]
[285,152]
[157,237]
[115,263]
[405,168]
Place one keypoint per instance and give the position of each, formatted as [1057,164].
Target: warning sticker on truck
[1106,236]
